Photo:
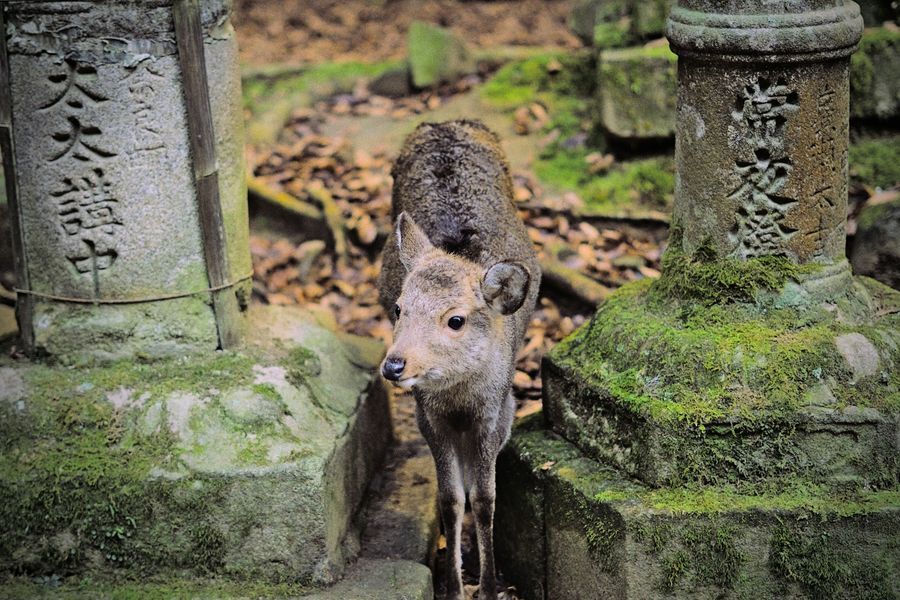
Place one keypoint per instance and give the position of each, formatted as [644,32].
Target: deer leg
[482,496]
[452,505]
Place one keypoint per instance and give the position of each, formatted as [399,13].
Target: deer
[459,281]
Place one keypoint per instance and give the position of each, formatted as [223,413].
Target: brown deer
[459,280]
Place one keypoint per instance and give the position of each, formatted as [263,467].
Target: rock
[579,529]
[394,83]
[663,399]
[875,250]
[436,55]
[250,464]
[875,75]
[859,353]
[637,92]
[366,580]
[618,23]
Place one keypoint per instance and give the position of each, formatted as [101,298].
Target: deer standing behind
[459,280]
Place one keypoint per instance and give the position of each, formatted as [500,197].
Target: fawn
[459,280]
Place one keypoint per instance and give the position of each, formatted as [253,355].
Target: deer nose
[393,368]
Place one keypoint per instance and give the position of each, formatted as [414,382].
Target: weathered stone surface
[382,580]
[763,105]
[636,92]
[393,84]
[366,580]
[876,246]
[666,391]
[106,179]
[251,465]
[618,23]
[436,55]
[605,537]
[875,75]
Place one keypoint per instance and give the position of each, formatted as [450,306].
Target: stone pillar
[763,108]
[108,183]
[685,415]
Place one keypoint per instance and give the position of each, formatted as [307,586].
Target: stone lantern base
[250,465]
[732,426]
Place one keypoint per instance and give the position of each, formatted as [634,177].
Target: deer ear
[411,241]
[505,286]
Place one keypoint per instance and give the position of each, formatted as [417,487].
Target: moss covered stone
[636,90]
[616,539]
[366,580]
[875,75]
[758,387]
[875,162]
[618,23]
[875,250]
[436,55]
[218,464]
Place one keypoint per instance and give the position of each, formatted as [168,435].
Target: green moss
[708,279]
[611,35]
[876,162]
[685,361]
[879,49]
[261,90]
[796,495]
[821,563]
[675,565]
[71,463]
[301,364]
[153,588]
[531,80]
[714,557]
[648,184]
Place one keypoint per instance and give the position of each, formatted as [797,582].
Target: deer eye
[456,322]
[397,310]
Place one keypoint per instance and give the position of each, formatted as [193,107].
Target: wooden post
[191,56]
[24,302]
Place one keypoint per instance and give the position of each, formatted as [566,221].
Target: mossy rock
[436,55]
[366,580]
[875,250]
[875,162]
[875,75]
[618,23]
[272,92]
[636,89]
[604,536]
[751,378]
[248,465]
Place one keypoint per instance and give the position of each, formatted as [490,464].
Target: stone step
[401,516]
[367,579]
[681,392]
[569,527]
[250,465]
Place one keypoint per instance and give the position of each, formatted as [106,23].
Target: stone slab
[366,580]
[591,533]
[673,392]
[250,465]
[636,89]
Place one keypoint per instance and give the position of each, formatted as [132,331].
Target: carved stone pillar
[763,108]
[110,169]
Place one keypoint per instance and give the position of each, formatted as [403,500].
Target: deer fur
[459,249]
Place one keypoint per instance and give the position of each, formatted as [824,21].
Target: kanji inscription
[761,111]
[87,210]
